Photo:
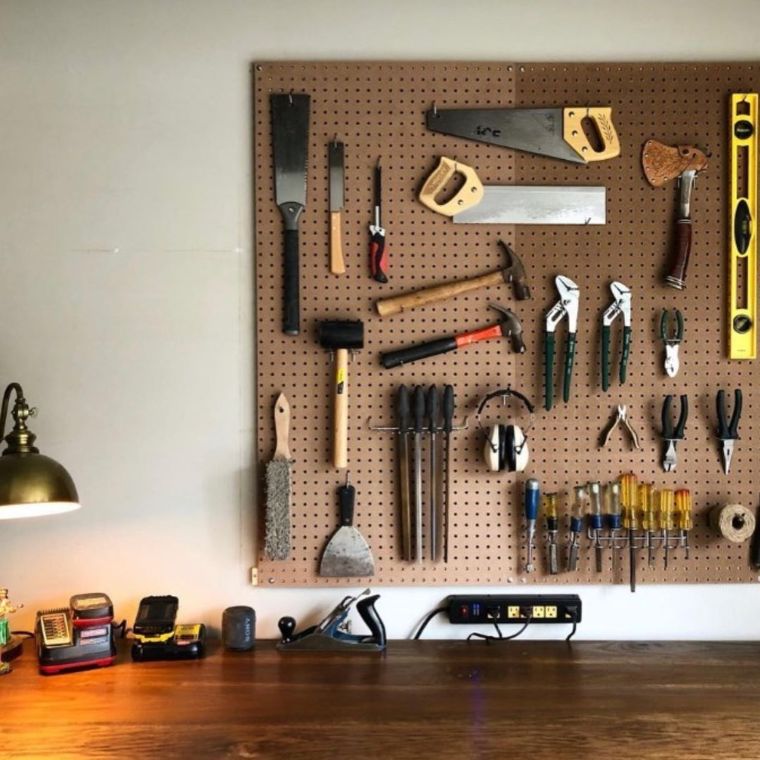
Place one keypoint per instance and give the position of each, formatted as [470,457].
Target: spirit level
[742,340]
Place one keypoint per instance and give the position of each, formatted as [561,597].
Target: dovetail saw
[742,311]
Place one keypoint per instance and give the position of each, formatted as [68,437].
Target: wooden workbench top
[420,699]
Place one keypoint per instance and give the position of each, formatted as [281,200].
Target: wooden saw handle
[340,419]
[396,304]
[469,195]
[337,265]
[575,137]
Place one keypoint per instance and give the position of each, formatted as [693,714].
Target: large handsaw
[290,143]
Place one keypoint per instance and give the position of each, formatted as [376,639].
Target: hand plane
[332,634]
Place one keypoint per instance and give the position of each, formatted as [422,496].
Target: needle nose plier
[728,432]
[672,435]
[672,340]
[621,305]
[567,306]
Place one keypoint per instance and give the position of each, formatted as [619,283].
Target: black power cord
[427,619]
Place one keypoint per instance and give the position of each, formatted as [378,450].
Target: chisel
[448,427]
[435,473]
[404,426]
[532,498]
[418,414]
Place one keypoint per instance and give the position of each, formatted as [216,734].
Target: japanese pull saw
[552,132]
[290,144]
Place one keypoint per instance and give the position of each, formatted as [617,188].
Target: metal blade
[533,130]
[347,555]
[335,162]
[290,144]
[536,204]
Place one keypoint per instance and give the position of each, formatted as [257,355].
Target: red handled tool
[508,326]
[378,256]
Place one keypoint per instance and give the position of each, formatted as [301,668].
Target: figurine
[6,607]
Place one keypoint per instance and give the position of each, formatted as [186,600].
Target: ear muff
[506,446]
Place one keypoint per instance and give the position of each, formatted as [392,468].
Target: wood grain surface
[596,700]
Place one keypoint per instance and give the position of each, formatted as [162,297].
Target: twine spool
[732,521]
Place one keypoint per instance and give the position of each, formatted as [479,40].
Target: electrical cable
[488,639]
[24,634]
[572,633]
[427,619]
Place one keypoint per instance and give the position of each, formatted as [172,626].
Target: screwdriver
[576,526]
[684,520]
[595,495]
[648,517]
[612,514]
[549,504]
[629,493]
[532,497]
[666,499]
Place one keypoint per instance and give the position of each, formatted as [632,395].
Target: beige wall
[125,248]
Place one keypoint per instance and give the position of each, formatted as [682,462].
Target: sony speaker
[239,628]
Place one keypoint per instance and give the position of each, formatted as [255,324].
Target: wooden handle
[575,137]
[396,304]
[337,265]
[282,427]
[340,420]
[469,195]
[676,277]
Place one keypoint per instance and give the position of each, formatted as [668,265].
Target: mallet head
[341,333]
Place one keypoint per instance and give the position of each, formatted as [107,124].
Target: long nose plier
[621,305]
[672,435]
[728,432]
[567,306]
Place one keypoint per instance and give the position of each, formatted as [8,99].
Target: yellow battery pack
[742,326]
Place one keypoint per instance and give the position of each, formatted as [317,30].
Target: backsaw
[347,555]
[551,132]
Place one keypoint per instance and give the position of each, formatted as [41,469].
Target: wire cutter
[567,306]
[621,417]
[728,432]
[672,340]
[672,435]
[621,305]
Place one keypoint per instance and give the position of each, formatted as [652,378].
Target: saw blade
[536,204]
[533,130]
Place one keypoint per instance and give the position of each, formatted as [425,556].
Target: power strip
[475,609]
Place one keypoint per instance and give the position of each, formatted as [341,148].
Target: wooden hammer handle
[340,420]
[396,304]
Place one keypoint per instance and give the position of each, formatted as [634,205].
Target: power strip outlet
[481,609]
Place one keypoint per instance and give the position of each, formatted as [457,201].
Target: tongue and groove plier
[567,306]
[621,305]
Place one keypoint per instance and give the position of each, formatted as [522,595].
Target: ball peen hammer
[341,336]
[508,326]
[513,273]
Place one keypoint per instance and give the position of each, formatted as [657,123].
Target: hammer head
[341,333]
[511,327]
[514,272]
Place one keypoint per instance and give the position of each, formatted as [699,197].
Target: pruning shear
[621,305]
[672,339]
[567,306]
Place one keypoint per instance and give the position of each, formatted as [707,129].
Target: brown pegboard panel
[378,109]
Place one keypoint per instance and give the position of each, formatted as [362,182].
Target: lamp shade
[31,483]
[34,484]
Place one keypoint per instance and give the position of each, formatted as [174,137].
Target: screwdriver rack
[679,104]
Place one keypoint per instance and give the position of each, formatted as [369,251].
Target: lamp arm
[6,401]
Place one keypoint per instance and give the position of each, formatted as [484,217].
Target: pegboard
[378,110]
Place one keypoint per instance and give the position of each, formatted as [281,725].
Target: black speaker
[239,628]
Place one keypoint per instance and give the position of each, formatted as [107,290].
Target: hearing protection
[506,446]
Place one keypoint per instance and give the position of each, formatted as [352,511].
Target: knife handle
[575,137]
[676,277]
[378,257]
[337,265]
[291,301]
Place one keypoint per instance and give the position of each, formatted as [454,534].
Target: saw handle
[340,419]
[396,304]
[366,608]
[346,501]
[575,137]
[676,277]
[468,195]
[291,300]
[337,264]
